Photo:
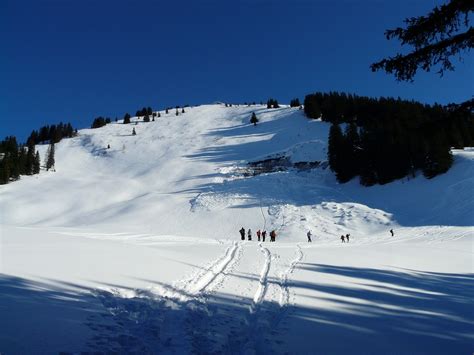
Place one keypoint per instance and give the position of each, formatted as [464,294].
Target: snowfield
[135,249]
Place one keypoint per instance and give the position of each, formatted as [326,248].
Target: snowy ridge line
[212,272]
[262,286]
[284,289]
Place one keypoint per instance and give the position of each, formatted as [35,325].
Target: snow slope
[135,249]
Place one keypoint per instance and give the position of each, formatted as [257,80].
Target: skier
[342,238]
[391,232]
[272,236]
[258,235]
[309,236]
[249,234]
[264,234]
[242,233]
[347,237]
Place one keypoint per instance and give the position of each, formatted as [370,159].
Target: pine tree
[126,118]
[30,159]
[50,157]
[311,106]
[11,159]
[295,103]
[33,138]
[69,130]
[351,151]
[438,159]
[146,118]
[100,122]
[335,151]
[37,163]
[368,177]
[435,39]
[21,161]
[182,111]
[4,171]
[254,119]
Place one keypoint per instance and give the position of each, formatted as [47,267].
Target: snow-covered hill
[136,248]
[190,166]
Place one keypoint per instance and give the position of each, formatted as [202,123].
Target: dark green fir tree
[254,119]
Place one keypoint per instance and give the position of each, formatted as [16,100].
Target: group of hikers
[346,238]
[261,235]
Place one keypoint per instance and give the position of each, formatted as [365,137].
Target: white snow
[135,249]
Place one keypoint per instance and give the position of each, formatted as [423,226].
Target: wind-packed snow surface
[135,249]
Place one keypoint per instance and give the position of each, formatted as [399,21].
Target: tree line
[23,159]
[17,159]
[384,139]
[52,133]
[100,122]
[146,112]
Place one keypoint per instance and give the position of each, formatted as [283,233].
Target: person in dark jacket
[391,232]
[342,238]
[309,236]
[347,237]
[264,234]
[258,235]
[249,234]
[242,233]
[272,236]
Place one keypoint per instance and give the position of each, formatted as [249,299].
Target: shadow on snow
[375,311]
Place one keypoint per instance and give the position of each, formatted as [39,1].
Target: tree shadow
[389,311]
[367,310]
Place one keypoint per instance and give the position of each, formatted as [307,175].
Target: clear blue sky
[75,60]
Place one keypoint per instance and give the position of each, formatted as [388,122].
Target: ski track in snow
[202,314]
[254,332]
[161,319]
[262,287]
[284,289]
[264,313]
[217,268]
